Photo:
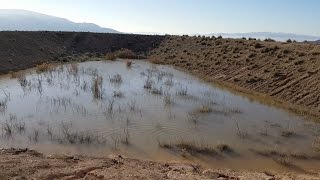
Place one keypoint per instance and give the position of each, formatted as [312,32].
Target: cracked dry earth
[29,164]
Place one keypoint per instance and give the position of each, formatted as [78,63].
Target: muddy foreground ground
[28,164]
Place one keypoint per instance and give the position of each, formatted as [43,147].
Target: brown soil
[288,72]
[28,164]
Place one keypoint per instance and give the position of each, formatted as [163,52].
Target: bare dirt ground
[28,164]
[287,72]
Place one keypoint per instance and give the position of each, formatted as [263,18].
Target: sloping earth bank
[28,164]
[288,72]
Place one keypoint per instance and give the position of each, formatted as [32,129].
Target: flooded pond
[148,111]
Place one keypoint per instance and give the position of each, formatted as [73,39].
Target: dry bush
[73,69]
[126,54]
[111,56]
[45,67]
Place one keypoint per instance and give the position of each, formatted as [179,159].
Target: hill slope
[22,20]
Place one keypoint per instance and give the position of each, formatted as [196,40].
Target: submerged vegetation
[193,148]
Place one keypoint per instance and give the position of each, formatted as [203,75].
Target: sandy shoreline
[29,164]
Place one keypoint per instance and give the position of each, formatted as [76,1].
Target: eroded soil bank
[28,164]
[288,72]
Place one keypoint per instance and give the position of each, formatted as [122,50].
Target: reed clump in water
[194,148]
[97,87]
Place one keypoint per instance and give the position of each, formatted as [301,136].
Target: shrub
[257,45]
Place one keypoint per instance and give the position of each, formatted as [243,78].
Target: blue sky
[185,16]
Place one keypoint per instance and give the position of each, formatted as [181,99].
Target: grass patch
[204,109]
[168,100]
[182,91]
[156,91]
[45,67]
[118,94]
[148,83]
[116,79]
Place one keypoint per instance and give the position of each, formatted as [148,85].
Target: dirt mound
[289,72]
[28,164]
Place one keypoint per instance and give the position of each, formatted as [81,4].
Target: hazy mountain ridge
[22,20]
[273,35]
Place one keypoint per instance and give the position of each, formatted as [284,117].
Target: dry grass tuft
[116,79]
[111,56]
[129,64]
[195,149]
[45,67]
[287,133]
[16,74]
[97,87]
[204,109]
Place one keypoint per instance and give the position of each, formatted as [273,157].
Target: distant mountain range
[265,35]
[22,20]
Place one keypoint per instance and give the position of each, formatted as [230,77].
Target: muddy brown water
[83,108]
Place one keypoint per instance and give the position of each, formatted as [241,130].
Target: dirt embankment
[20,50]
[289,72]
[27,164]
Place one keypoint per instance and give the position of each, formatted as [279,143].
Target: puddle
[102,108]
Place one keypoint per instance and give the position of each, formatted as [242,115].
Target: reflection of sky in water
[68,98]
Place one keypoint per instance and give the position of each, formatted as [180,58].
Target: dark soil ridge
[21,50]
[284,74]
